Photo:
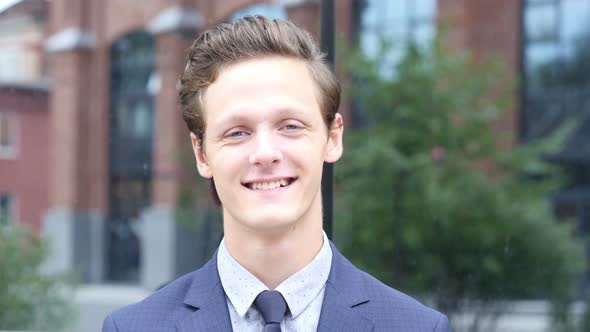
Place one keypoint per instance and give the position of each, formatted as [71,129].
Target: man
[261,106]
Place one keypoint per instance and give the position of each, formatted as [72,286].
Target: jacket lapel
[206,299]
[344,293]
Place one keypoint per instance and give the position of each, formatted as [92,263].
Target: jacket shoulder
[156,312]
[389,307]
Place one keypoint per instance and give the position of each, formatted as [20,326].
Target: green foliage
[194,211]
[430,201]
[204,224]
[29,300]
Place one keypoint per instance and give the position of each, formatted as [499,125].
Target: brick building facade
[94,93]
[23,162]
[24,136]
[87,180]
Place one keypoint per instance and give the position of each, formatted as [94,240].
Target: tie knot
[271,305]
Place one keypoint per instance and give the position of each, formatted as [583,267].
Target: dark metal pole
[522,112]
[327,45]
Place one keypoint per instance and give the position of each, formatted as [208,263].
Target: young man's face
[265,143]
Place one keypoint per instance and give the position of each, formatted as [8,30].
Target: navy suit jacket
[353,301]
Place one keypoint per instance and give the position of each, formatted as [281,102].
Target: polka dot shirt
[303,291]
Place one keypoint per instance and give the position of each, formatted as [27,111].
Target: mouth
[270,184]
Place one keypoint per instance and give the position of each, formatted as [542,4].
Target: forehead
[272,84]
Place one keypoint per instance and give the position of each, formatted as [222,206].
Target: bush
[432,201]
[29,300]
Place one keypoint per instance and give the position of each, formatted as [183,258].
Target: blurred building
[24,134]
[115,134]
[91,132]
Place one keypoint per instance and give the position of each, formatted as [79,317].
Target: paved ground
[97,301]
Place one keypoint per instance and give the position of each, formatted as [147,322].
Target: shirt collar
[299,290]
[240,286]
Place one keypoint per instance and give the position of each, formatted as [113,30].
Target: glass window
[11,64]
[576,23]
[541,22]
[399,23]
[141,125]
[393,10]
[556,63]
[423,34]
[8,134]
[6,210]
[557,45]
[556,87]
[268,10]
[424,8]
[134,83]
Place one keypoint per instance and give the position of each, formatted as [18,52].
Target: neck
[275,255]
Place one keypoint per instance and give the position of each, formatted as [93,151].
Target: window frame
[408,23]
[10,150]
[549,53]
[11,209]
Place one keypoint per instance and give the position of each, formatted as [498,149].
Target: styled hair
[249,38]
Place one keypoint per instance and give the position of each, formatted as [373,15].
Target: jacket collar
[345,291]
[206,297]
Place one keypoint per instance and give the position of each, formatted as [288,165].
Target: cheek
[311,142]
[307,155]
[228,167]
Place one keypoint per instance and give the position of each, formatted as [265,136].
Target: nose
[266,151]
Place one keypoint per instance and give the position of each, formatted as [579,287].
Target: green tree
[28,299]
[195,212]
[431,200]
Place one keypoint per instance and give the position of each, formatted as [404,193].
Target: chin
[270,220]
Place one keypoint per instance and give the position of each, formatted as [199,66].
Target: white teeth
[269,185]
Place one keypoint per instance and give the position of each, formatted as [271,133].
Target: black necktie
[272,307]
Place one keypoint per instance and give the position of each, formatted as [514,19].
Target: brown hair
[247,38]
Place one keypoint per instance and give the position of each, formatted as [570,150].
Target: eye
[292,126]
[236,134]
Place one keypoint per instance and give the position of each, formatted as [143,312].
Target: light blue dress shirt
[303,291]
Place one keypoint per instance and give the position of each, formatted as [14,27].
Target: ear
[334,148]
[202,162]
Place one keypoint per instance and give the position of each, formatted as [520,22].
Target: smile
[269,185]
